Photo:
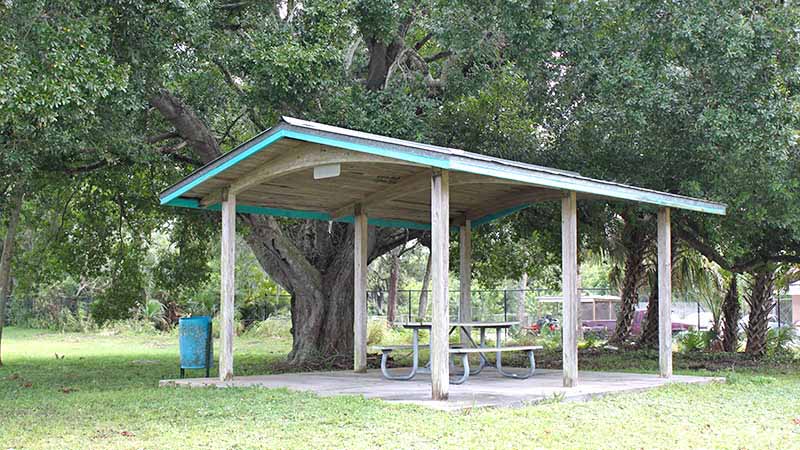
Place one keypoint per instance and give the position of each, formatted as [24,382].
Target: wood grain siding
[440,255]
[360,244]
[228,286]
[569,286]
[664,293]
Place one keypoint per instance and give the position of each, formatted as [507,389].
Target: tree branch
[421,43]
[694,240]
[162,137]
[188,125]
[87,168]
[438,56]
[231,125]
[235,86]
[172,148]
[236,5]
[185,159]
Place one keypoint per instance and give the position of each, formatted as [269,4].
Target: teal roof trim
[379,151]
[298,214]
[498,215]
[316,215]
[432,156]
[222,167]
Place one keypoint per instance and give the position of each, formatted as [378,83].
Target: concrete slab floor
[486,389]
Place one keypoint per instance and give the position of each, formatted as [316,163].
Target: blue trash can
[195,340]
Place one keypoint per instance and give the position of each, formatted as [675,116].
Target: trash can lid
[195,318]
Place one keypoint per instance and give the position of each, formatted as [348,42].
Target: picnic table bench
[461,351]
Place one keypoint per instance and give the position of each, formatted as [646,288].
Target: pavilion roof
[274,173]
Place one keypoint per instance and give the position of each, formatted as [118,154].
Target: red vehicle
[608,326]
[545,323]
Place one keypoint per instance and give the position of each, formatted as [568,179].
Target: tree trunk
[311,260]
[394,275]
[759,299]
[731,314]
[423,294]
[649,337]
[635,242]
[316,268]
[14,208]
[383,54]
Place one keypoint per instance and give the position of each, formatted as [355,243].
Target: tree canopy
[103,104]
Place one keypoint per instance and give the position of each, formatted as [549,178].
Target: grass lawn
[103,394]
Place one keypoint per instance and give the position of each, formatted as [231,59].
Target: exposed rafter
[295,161]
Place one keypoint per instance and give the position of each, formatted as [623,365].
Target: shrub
[128,327]
[238,327]
[693,341]
[549,340]
[779,340]
[591,339]
[153,311]
[126,290]
[376,329]
[400,335]
[272,328]
[80,322]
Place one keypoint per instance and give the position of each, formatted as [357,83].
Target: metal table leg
[465,375]
[523,376]
[415,360]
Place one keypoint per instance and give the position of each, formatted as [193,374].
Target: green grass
[112,401]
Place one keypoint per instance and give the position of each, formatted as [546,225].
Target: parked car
[608,326]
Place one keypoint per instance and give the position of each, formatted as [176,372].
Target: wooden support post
[664,294]
[360,243]
[440,254]
[228,289]
[465,274]
[569,284]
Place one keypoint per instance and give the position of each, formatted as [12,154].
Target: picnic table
[462,350]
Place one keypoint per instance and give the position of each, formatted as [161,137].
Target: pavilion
[306,170]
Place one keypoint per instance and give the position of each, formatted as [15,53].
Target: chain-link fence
[487,305]
[532,305]
[34,311]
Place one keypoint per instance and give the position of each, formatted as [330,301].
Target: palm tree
[626,249]
[693,275]
[759,301]
[731,313]
[630,250]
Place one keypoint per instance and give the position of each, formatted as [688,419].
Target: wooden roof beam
[295,161]
[507,201]
[413,183]
[410,185]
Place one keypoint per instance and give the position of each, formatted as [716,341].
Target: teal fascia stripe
[591,187]
[185,203]
[441,163]
[316,215]
[222,167]
[298,214]
[394,154]
[498,215]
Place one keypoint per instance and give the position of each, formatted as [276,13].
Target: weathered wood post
[569,285]
[360,242]
[440,254]
[228,289]
[465,274]
[664,293]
